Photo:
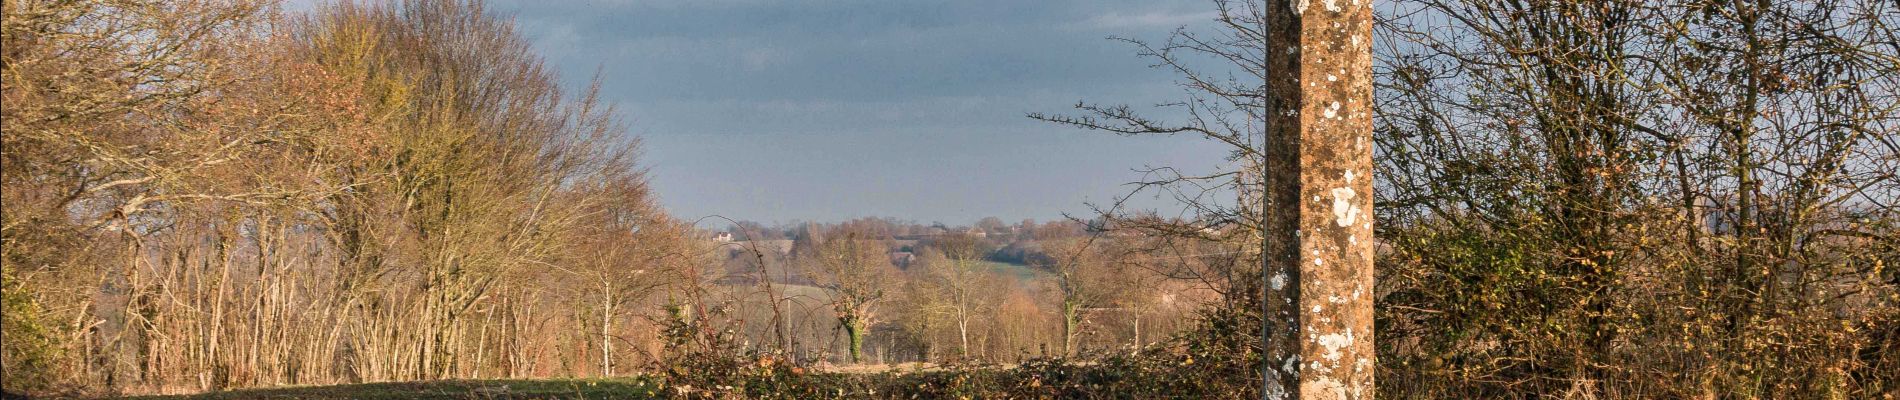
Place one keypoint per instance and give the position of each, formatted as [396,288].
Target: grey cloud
[835,109]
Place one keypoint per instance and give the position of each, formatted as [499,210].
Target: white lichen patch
[1332,111]
[1275,392]
[1332,342]
[1278,282]
[1344,211]
[1332,5]
[1324,387]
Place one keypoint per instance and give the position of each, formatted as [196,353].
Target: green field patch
[1022,273]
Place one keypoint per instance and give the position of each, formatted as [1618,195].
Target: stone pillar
[1318,202]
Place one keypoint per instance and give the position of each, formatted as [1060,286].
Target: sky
[828,110]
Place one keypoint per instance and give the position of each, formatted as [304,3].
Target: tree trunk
[854,332]
[606,335]
[963,333]
[1070,312]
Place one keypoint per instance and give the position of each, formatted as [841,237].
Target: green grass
[615,388]
[1022,273]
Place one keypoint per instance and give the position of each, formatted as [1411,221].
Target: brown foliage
[211,194]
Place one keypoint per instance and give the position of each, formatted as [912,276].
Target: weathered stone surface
[1319,245]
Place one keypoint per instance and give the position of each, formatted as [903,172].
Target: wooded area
[214,194]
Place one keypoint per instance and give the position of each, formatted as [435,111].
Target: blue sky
[835,109]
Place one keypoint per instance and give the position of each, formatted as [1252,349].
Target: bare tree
[212,194]
[1566,178]
[854,267]
[953,282]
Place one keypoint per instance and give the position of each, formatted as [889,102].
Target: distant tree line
[909,292]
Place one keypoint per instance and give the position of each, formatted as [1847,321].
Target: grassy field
[1022,273]
[617,388]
